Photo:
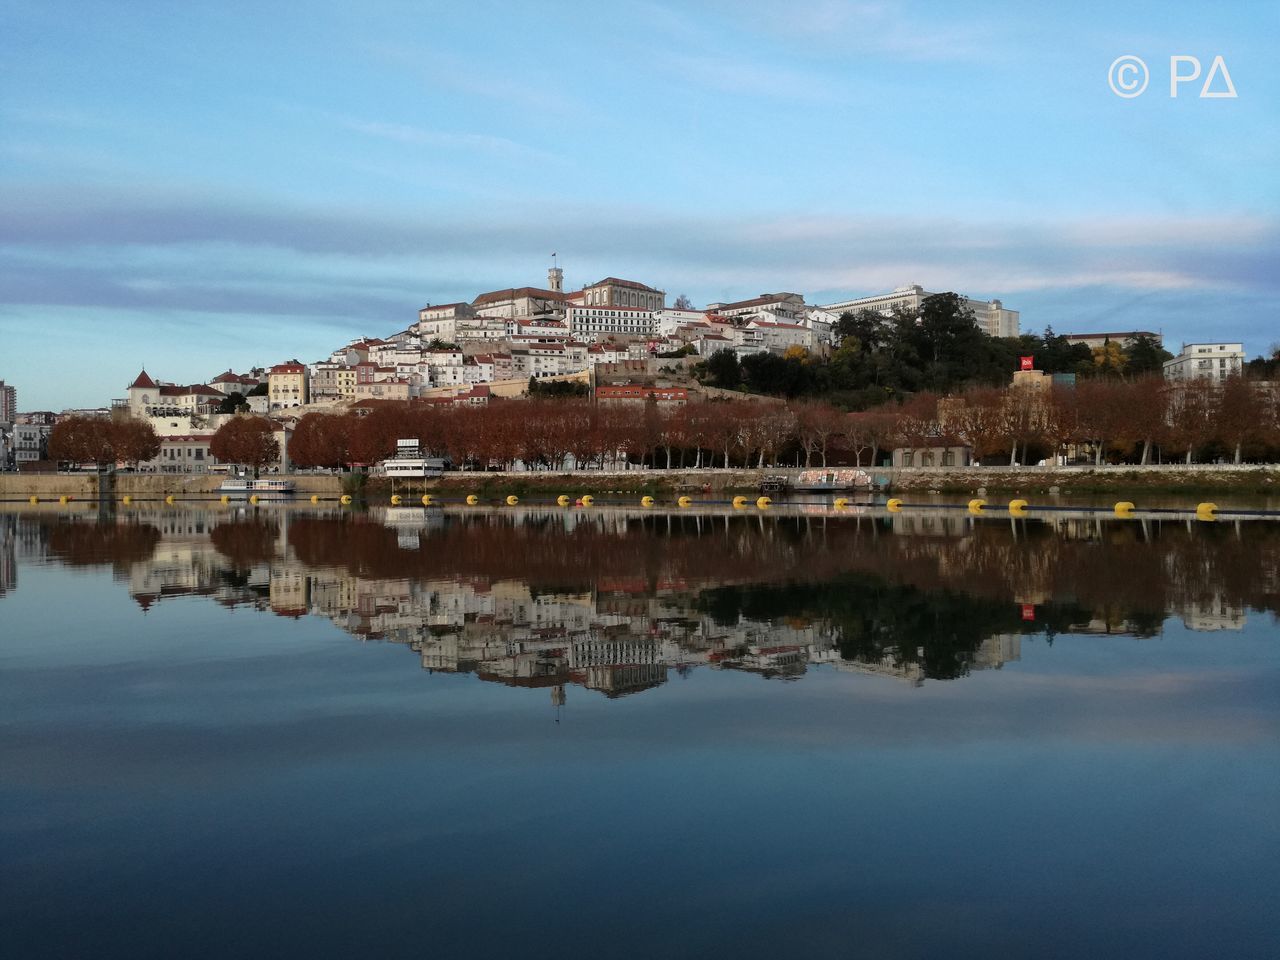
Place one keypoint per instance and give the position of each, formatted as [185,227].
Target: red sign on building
[1028,363]
[1028,611]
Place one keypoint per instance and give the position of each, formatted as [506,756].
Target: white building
[1215,361]
[545,328]
[776,307]
[538,359]
[667,322]
[992,317]
[30,442]
[778,337]
[593,323]
[443,321]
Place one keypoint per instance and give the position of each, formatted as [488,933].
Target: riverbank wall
[84,486]
[1196,479]
[977,481]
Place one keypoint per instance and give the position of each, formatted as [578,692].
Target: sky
[193,187]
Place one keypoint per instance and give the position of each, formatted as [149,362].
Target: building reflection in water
[618,603]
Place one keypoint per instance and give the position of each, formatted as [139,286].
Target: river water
[229,732]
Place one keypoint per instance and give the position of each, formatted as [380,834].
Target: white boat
[264,487]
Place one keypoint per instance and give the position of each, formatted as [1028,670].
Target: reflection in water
[615,601]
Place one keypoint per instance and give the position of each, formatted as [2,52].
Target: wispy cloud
[445,139]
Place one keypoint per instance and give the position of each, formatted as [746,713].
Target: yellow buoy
[315,498]
[345,499]
[1206,511]
[976,505]
[64,499]
[739,503]
[588,500]
[169,499]
[763,503]
[512,500]
[127,500]
[841,503]
[395,499]
[562,500]
[1124,509]
[646,501]
[685,502]
[224,499]
[33,500]
[894,505]
[1018,508]
[253,499]
[426,500]
[472,499]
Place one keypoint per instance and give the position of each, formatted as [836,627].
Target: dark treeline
[940,349]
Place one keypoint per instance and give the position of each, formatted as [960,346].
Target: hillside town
[614,342]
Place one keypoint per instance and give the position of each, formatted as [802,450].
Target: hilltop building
[991,315]
[1206,361]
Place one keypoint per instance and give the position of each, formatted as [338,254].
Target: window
[908,459]
[948,458]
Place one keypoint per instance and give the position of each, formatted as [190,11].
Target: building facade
[30,443]
[613,292]
[593,323]
[519,302]
[8,403]
[288,385]
[1206,361]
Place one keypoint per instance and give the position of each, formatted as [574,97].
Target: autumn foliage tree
[245,440]
[102,441]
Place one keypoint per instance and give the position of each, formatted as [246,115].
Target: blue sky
[197,186]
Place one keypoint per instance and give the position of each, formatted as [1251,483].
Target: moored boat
[263,487]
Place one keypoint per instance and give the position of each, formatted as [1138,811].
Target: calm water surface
[227,733]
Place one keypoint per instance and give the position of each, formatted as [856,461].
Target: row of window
[927,458]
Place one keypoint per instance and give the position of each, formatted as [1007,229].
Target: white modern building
[1207,361]
[993,318]
[592,323]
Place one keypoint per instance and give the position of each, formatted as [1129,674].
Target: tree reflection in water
[614,600]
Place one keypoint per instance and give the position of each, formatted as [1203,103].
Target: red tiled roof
[515,293]
[143,381]
[657,393]
[173,390]
[753,302]
[629,284]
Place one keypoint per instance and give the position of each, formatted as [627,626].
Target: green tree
[1145,355]
[233,403]
[724,369]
